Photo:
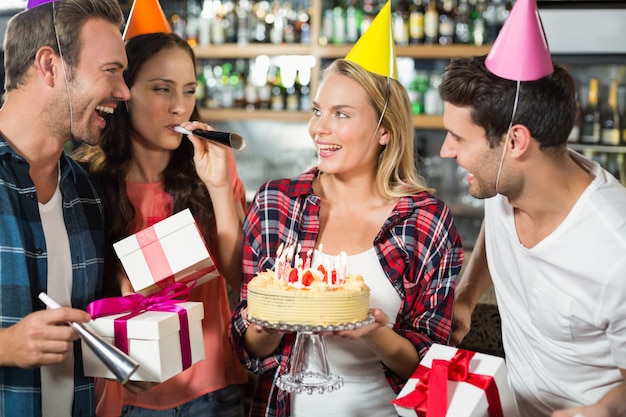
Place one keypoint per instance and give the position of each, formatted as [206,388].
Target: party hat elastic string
[508,133]
[67,82]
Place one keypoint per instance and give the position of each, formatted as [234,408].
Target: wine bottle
[610,119]
[416,22]
[446,23]
[431,23]
[463,23]
[591,115]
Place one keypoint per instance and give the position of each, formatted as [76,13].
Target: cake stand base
[308,367]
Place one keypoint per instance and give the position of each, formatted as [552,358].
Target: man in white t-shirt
[553,242]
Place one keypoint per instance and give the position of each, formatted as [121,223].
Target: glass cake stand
[308,364]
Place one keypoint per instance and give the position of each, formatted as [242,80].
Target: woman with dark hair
[147,172]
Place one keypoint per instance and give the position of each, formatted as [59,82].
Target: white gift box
[172,250]
[465,399]
[153,341]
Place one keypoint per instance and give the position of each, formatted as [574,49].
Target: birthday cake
[303,296]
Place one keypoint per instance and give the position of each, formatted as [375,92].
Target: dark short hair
[547,107]
[32,29]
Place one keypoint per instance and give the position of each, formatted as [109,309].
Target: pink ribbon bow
[135,304]
[430,397]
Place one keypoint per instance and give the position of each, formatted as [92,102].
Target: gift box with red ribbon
[172,250]
[451,382]
[163,332]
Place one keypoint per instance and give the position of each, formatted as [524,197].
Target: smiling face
[96,85]
[163,96]
[343,127]
[467,143]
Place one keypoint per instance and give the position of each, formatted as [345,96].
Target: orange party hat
[520,52]
[146,16]
[375,50]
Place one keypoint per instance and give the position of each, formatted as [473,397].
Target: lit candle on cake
[277,264]
[343,267]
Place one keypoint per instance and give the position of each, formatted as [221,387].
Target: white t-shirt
[563,302]
[57,381]
[365,390]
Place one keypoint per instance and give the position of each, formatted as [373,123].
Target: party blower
[119,363]
[233,140]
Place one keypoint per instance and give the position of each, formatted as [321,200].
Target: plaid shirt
[24,274]
[418,247]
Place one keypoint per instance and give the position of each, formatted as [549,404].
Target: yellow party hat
[146,16]
[375,50]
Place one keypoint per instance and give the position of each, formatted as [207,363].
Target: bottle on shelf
[400,23]
[277,101]
[416,89]
[463,23]
[610,118]
[260,33]
[590,132]
[431,23]
[446,23]
[339,24]
[416,22]
[201,86]
[432,101]
[354,16]
[478,23]
[303,24]
[369,13]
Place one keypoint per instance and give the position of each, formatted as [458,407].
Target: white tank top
[365,391]
[57,381]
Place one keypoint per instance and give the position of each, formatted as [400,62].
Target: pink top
[220,366]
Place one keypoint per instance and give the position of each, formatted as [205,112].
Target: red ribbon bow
[135,304]
[430,396]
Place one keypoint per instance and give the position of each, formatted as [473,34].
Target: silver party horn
[233,140]
[119,363]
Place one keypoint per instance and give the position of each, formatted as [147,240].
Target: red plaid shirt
[419,250]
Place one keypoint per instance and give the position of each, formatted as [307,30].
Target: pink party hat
[34,3]
[520,52]
[146,16]
[375,50]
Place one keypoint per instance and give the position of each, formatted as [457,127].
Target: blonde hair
[396,170]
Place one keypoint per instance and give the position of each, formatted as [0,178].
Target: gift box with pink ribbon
[172,250]
[162,332]
[451,382]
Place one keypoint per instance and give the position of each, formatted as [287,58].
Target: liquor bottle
[339,24]
[201,87]
[400,23]
[463,23]
[370,10]
[244,22]
[478,23]
[431,23]
[416,22]
[277,93]
[303,25]
[354,15]
[446,23]
[591,115]
[260,29]
[610,119]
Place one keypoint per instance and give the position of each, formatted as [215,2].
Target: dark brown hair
[110,161]
[547,107]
